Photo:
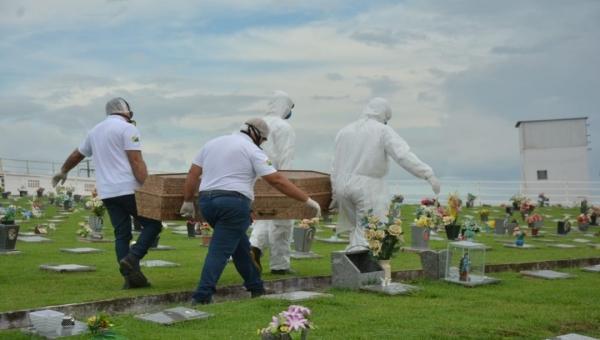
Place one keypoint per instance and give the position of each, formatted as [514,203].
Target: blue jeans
[120,209]
[230,218]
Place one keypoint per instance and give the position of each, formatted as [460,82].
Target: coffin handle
[271,213]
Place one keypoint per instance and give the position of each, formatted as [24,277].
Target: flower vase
[452,231]
[96,223]
[583,226]
[206,240]
[487,228]
[469,234]
[5,194]
[484,218]
[519,243]
[563,228]
[534,231]
[387,269]
[303,238]
[419,236]
[395,209]
[593,220]
[9,232]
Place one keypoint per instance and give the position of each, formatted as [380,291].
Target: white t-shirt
[232,163]
[107,142]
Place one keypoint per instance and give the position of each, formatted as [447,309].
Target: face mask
[385,123]
[288,115]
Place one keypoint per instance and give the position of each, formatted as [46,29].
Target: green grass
[516,308]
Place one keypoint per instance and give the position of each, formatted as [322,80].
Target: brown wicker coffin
[161,197]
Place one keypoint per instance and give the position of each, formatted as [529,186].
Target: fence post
[566,193]
[479,192]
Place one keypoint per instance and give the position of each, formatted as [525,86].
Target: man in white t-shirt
[229,166]
[120,168]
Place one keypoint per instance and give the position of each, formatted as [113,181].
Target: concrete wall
[13,181]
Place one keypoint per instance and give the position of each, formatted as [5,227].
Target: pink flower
[275,322]
[296,322]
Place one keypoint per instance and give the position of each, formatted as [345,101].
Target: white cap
[259,124]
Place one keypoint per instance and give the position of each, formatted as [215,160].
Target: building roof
[546,120]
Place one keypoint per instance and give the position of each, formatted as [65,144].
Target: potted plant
[542,199]
[516,201]
[484,214]
[384,239]
[470,228]
[22,191]
[520,234]
[593,215]
[51,197]
[84,230]
[584,206]
[206,231]
[304,234]
[294,323]
[583,222]
[450,216]
[527,207]
[535,223]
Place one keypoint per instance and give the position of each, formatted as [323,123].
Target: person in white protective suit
[280,147]
[361,160]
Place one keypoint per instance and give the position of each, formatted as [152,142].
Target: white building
[554,150]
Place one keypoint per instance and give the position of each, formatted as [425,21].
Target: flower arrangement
[292,322]
[492,224]
[593,211]
[427,216]
[517,199]
[583,218]
[454,203]
[100,327]
[584,204]
[527,206]
[398,198]
[471,226]
[96,205]
[308,223]
[533,218]
[484,212]
[470,199]
[8,215]
[428,201]
[206,229]
[521,233]
[84,230]
[384,239]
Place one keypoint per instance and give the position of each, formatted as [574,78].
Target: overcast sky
[458,74]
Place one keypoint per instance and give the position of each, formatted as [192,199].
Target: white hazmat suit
[281,148]
[360,161]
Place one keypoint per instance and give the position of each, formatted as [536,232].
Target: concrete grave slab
[10,252]
[180,228]
[563,246]
[81,250]
[594,245]
[572,336]
[588,235]
[26,233]
[330,226]
[436,238]
[62,268]
[525,246]
[54,221]
[592,269]
[558,235]
[297,296]
[174,315]
[543,240]
[179,232]
[547,274]
[505,241]
[581,240]
[332,240]
[477,282]
[172,224]
[296,255]
[65,213]
[414,250]
[158,263]
[94,240]
[34,239]
[77,329]
[393,288]
[161,247]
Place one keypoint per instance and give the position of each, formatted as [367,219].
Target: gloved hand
[435,185]
[59,176]
[187,210]
[312,204]
[333,206]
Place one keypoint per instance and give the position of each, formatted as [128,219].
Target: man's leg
[280,232]
[121,221]
[259,241]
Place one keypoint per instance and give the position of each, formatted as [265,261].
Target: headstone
[94,240]
[547,274]
[592,269]
[354,269]
[297,296]
[174,315]
[305,255]
[34,239]
[572,336]
[81,250]
[525,246]
[77,329]
[563,246]
[62,268]
[158,263]
[163,247]
[393,288]
[434,263]
[581,240]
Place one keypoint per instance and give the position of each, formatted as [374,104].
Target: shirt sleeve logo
[269,163]
[135,139]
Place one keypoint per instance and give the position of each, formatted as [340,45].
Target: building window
[33,183]
[89,187]
[542,174]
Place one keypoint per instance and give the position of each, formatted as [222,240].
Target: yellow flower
[380,234]
[423,221]
[284,329]
[373,227]
[492,224]
[397,221]
[395,230]
[375,246]
[369,234]
[374,219]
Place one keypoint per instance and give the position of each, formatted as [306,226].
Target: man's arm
[192,183]
[138,166]
[279,182]
[74,158]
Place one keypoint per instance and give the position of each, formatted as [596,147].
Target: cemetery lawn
[516,308]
